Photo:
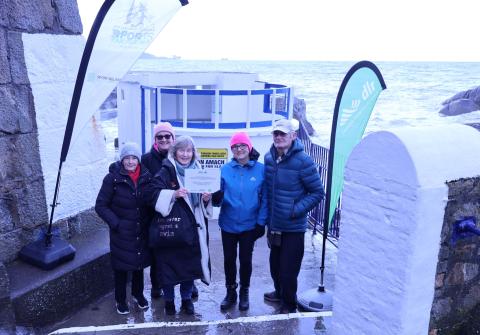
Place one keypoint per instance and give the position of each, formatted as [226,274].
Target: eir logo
[367,90]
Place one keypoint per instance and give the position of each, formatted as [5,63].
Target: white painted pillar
[393,208]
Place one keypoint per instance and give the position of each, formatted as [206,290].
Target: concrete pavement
[100,317]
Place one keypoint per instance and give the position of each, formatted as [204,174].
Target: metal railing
[319,155]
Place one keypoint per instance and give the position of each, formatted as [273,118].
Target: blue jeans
[185,291]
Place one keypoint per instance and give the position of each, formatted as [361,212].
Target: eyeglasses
[239,147]
[161,137]
[279,133]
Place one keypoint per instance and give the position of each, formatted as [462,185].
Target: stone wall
[23,207]
[457,284]
[6,313]
[394,205]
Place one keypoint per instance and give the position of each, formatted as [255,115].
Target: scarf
[194,197]
[134,174]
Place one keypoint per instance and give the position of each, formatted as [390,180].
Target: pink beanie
[241,138]
[163,126]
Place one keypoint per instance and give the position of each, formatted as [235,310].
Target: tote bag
[178,229]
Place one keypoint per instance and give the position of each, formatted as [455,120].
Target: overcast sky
[406,30]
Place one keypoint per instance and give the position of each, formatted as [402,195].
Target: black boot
[170,307]
[187,307]
[231,297]
[194,291]
[243,305]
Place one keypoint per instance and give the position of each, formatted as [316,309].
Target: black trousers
[153,270]
[121,278]
[285,262]
[245,242]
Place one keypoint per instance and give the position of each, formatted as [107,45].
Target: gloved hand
[259,231]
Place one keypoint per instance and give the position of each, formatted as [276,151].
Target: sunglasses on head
[161,137]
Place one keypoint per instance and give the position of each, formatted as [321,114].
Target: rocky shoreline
[461,103]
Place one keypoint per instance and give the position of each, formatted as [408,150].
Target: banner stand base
[47,258]
[316,300]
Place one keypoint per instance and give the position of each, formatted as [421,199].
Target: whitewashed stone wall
[393,209]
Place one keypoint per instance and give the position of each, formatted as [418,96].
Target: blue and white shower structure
[209,106]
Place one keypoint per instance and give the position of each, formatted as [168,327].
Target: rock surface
[462,102]
[300,113]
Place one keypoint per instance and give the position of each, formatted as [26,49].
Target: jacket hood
[254,155]
[160,155]
[115,167]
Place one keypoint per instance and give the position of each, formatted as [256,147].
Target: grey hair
[183,142]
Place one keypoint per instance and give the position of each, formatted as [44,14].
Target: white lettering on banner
[132,37]
[368,89]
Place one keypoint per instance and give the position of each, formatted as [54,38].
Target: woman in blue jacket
[242,217]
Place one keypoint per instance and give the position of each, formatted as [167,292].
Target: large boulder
[462,102]
[472,94]
[460,106]
[300,113]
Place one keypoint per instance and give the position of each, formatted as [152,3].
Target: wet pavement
[101,317]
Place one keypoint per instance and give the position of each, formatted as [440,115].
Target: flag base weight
[47,257]
[316,300]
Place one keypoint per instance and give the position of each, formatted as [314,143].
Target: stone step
[40,297]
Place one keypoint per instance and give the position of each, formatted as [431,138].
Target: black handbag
[178,229]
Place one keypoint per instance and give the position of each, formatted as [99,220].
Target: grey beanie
[130,149]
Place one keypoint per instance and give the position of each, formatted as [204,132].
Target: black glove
[217,198]
[259,231]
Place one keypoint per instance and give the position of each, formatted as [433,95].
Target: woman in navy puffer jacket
[242,216]
[119,203]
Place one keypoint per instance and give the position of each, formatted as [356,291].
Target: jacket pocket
[292,209]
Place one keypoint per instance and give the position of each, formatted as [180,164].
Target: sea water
[414,94]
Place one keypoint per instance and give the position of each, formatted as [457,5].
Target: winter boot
[194,291]
[170,307]
[187,307]
[243,305]
[231,297]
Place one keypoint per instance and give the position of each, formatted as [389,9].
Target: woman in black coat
[180,263]
[119,203]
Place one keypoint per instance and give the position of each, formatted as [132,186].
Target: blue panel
[208,125]
[232,125]
[142,115]
[233,92]
[224,125]
[259,124]
[201,92]
[178,124]
[156,107]
[262,92]
[171,91]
